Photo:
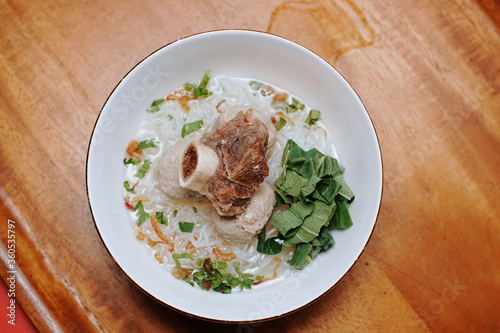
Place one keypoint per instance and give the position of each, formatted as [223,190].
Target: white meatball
[244,227]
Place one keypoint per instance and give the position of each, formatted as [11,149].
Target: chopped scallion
[280,123]
[150,143]
[201,90]
[143,169]
[191,127]
[219,265]
[126,184]
[176,258]
[155,106]
[313,117]
[256,85]
[132,161]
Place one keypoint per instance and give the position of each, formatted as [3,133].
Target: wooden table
[429,74]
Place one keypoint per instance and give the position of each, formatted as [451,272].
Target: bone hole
[189,162]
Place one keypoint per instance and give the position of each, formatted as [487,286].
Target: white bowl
[247,54]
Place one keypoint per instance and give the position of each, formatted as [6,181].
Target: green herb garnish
[143,169]
[161,218]
[200,90]
[150,143]
[209,275]
[191,127]
[132,161]
[256,85]
[245,279]
[195,210]
[186,226]
[155,106]
[313,117]
[174,213]
[141,214]
[126,184]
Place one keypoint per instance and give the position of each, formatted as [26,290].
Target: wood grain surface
[429,74]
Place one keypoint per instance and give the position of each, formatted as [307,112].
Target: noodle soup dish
[234,176]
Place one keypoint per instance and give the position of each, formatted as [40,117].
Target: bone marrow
[199,163]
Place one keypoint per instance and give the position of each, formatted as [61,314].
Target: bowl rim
[216,320]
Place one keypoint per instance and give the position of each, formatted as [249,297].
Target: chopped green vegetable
[128,188]
[256,85]
[245,279]
[155,106]
[176,258]
[186,226]
[330,167]
[312,224]
[206,78]
[195,210]
[188,280]
[223,288]
[326,190]
[295,106]
[282,198]
[313,117]
[191,127]
[200,90]
[270,246]
[301,257]
[209,275]
[150,143]
[219,265]
[293,217]
[291,183]
[313,186]
[280,124]
[153,109]
[345,191]
[341,219]
[141,213]
[143,169]
[161,218]
[132,161]
[174,213]
[322,243]
[172,121]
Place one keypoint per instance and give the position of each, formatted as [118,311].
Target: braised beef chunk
[241,145]
[228,198]
[244,150]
